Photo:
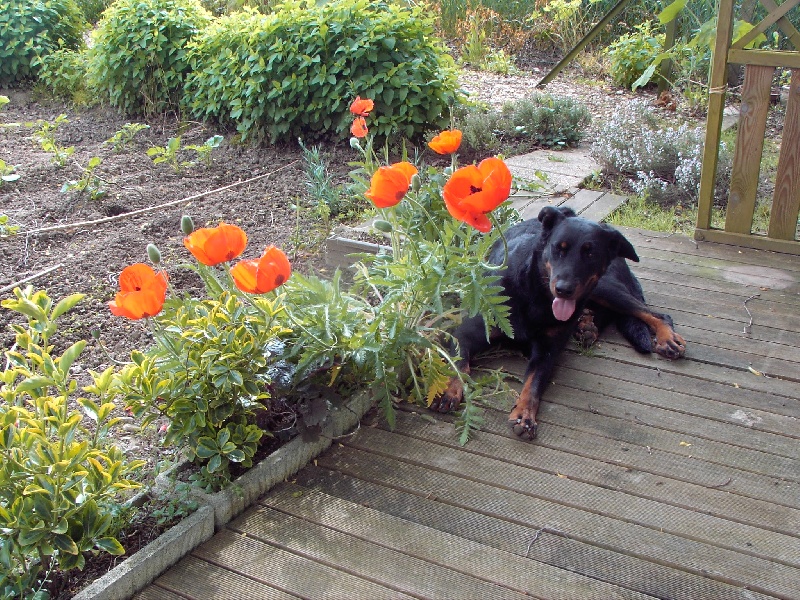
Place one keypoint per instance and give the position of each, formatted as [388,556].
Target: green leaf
[110,545]
[69,356]
[35,383]
[64,543]
[671,11]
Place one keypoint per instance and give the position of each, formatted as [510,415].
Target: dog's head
[575,252]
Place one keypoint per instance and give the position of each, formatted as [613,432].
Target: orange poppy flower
[472,191]
[362,108]
[214,245]
[264,274]
[389,184]
[446,142]
[142,292]
[359,127]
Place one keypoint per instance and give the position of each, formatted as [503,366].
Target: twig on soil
[157,207]
[747,327]
[11,286]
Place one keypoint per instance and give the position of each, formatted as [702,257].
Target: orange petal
[407,168]
[446,142]
[362,108]
[136,305]
[215,245]
[244,275]
[274,269]
[388,186]
[359,127]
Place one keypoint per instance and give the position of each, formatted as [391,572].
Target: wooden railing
[760,68]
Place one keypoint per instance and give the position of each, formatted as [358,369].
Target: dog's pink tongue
[563,308]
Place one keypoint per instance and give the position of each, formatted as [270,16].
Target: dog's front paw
[450,398]
[670,345]
[586,332]
[523,422]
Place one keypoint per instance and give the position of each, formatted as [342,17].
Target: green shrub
[632,53]
[63,73]
[138,60]
[30,30]
[293,73]
[538,121]
[60,480]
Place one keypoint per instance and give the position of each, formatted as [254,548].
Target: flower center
[474,190]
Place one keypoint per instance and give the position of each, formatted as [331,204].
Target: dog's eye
[587,250]
[563,247]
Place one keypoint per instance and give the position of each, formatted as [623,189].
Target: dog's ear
[620,245]
[550,216]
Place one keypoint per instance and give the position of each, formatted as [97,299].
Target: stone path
[563,172]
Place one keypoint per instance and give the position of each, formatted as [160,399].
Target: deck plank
[550,487]
[626,537]
[264,564]
[649,477]
[442,551]
[523,539]
[369,559]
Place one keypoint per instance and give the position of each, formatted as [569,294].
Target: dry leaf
[685,444]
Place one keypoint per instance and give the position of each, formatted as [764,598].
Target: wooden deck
[649,479]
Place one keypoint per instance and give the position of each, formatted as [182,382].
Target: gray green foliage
[538,121]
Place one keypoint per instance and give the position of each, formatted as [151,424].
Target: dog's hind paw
[450,398]
[586,331]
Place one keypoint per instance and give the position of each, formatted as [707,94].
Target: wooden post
[665,68]
[786,200]
[749,147]
[716,104]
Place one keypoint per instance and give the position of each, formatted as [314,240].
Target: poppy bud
[448,171]
[154,254]
[383,226]
[416,182]
[354,143]
[187,225]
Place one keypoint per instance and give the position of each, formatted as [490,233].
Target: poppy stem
[503,238]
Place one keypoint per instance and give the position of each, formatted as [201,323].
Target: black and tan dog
[565,275]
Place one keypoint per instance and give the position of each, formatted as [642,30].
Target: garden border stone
[217,509]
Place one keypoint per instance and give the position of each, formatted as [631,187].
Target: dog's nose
[564,290]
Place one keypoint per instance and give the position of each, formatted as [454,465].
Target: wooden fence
[760,66]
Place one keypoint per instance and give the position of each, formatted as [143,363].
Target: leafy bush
[538,121]
[60,481]
[30,30]
[294,72]
[632,53]
[664,163]
[64,73]
[138,60]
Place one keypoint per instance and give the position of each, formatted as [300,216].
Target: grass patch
[642,213]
